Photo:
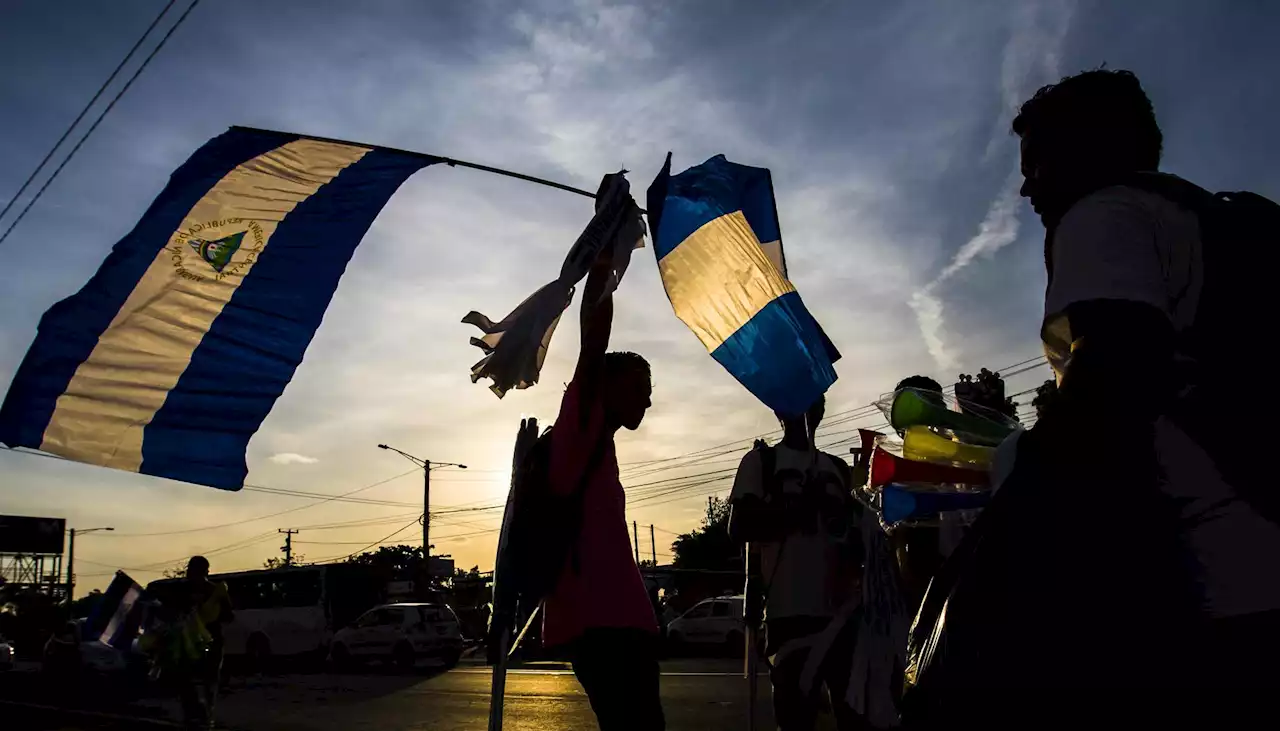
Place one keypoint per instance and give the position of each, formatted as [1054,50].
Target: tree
[708,548]
[986,392]
[275,562]
[1045,396]
[176,571]
[394,563]
[401,563]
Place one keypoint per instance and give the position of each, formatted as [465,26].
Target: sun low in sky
[885,127]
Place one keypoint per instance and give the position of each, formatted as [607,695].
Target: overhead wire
[157,566]
[671,489]
[80,117]
[319,501]
[145,62]
[386,538]
[647,494]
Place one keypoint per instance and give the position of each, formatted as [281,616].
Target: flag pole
[437,158]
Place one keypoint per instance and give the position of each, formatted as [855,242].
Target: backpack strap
[769,482]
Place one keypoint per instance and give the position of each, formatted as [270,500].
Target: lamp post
[71,560]
[426,465]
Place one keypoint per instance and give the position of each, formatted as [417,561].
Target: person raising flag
[599,611]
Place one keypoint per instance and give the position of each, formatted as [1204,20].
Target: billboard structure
[31,554]
[27,535]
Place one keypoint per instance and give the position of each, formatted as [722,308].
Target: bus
[288,612]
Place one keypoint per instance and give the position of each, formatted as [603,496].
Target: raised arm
[597,323]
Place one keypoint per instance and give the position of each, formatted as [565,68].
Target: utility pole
[635,536]
[426,513]
[71,560]
[653,545]
[426,466]
[287,548]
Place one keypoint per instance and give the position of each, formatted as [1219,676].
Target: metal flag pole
[438,158]
[506,601]
[753,605]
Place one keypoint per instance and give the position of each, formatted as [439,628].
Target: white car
[710,623]
[401,634]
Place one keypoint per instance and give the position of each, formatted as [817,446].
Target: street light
[426,465]
[71,560]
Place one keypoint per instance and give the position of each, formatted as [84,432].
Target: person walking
[203,607]
[791,504]
[1153,284]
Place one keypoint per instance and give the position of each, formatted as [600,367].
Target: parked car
[68,651]
[6,654]
[711,623]
[400,634]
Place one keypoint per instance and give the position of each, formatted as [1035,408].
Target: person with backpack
[1159,579]
[793,507]
[598,610]
[1153,286]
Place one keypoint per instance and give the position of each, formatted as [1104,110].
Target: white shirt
[1127,244]
[803,573]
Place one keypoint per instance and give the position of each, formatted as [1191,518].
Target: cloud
[1032,53]
[292,458]
[885,126]
[998,229]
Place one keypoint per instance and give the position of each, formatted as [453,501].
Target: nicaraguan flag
[719,247]
[116,618]
[168,360]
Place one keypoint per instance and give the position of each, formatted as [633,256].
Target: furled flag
[168,360]
[719,247]
[516,346]
[118,615]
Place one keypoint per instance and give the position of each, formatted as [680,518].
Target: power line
[159,566]
[39,168]
[98,121]
[652,493]
[320,501]
[360,523]
[388,537]
[285,492]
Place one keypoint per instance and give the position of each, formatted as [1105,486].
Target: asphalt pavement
[698,695]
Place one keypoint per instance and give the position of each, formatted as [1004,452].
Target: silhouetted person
[204,607]
[1126,532]
[600,610]
[792,504]
[1140,328]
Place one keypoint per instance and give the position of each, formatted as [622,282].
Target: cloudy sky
[885,126]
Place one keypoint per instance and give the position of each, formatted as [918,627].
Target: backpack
[545,526]
[1217,406]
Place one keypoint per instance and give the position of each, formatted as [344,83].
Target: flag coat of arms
[169,359]
[719,247]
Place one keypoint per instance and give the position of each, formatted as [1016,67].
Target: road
[698,695]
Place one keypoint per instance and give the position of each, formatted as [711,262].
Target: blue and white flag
[169,359]
[719,247]
[118,615]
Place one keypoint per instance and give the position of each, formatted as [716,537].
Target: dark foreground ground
[698,695]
